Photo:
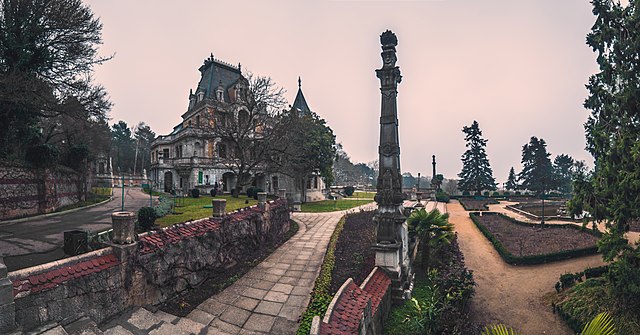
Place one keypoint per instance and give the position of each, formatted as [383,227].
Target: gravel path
[509,294]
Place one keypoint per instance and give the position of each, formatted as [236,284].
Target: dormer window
[200,96]
[220,95]
[239,93]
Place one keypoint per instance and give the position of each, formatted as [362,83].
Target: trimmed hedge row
[509,258]
[320,296]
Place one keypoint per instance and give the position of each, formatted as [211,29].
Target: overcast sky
[517,67]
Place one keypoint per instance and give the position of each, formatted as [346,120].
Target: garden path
[269,299]
[513,295]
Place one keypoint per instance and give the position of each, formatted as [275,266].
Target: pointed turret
[300,103]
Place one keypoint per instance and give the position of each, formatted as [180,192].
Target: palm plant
[602,324]
[431,228]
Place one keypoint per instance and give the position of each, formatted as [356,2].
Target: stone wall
[28,191]
[357,309]
[105,282]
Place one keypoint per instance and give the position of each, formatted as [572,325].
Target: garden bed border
[509,258]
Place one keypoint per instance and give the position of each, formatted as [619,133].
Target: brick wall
[105,282]
[28,191]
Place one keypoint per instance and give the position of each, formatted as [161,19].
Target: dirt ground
[508,294]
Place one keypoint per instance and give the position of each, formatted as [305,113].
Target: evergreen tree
[613,138]
[476,174]
[537,171]
[563,170]
[511,180]
[123,147]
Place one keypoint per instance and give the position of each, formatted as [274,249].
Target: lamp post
[418,181]
[542,196]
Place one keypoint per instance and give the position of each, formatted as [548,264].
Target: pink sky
[517,67]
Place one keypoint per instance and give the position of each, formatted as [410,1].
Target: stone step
[54,329]
[83,326]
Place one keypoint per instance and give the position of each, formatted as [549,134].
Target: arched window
[222,150]
[197,149]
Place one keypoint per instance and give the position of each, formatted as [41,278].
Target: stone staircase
[136,321]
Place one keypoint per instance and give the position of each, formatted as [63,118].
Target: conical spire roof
[300,103]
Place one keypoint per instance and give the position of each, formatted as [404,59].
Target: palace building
[193,157]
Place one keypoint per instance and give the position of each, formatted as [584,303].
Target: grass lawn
[363,195]
[192,208]
[332,205]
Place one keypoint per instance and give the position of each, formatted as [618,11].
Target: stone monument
[392,237]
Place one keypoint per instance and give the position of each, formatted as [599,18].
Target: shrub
[251,191]
[442,197]
[213,192]
[43,155]
[146,218]
[195,193]
[164,207]
[517,193]
[348,190]
[255,193]
[466,193]
[506,194]
[596,272]
[495,194]
[486,193]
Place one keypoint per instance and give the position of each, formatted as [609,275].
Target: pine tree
[512,185]
[563,170]
[537,171]
[476,174]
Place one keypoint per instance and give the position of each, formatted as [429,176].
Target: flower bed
[522,243]
[470,204]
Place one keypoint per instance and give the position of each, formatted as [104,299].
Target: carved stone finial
[388,40]
[239,67]
[299,82]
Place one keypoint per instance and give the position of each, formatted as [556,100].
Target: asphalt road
[37,241]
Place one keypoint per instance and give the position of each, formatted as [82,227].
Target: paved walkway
[268,300]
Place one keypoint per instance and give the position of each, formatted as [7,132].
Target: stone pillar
[262,200]
[219,207]
[7,306]
[282,193]
[124,224]
[391,227]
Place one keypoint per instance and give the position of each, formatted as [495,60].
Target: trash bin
[75,242]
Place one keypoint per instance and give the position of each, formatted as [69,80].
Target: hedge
[320,296]
[533,259]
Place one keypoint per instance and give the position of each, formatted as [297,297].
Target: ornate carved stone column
[392,238]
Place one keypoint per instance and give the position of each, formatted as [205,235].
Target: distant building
[192,157]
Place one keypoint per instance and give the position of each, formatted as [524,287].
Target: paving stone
[263,285]
[225,326]
[58,331]
[276,296]
[164,316]
[283,326]
[254,293]
[246,303]
[168,329]
[271,278]
[190,326]
[269,307]
[261,323]
[246,281]
[235,316]
[301,290]
[284,288]
[291,313]
[142,319]
[289,280]
[201,316]
[297,301]
[117,330]
[294,274]
[250,332]
[213,306]
[216,331]
[283,266]
[277,272]
[296,267]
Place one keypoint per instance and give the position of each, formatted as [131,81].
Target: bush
[164,207]
[146,218]
[442,197]
[506,194]
[517,193]
[596,272]
[348,190]
[466,193]
[495,194]
[195,193]
[251,191]
[486,193]
[77,156]
[213,192]
[43,155]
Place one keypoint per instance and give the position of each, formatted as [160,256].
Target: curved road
[37,241]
